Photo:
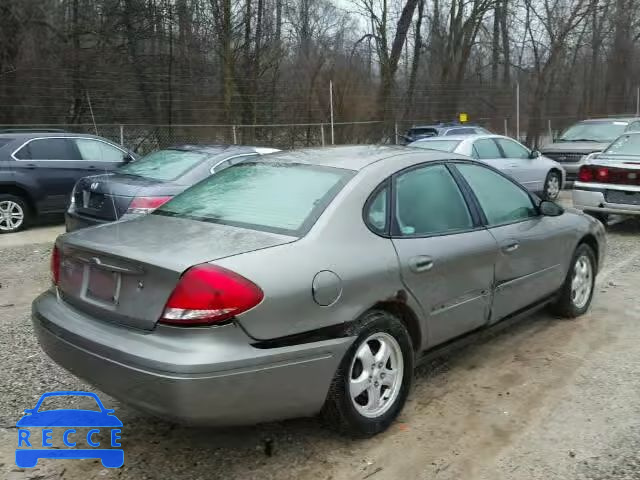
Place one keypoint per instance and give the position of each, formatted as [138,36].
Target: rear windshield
[441,145]
[625,145]
[4,141]
[164,164]
[282,198]
[423,131]
[603,131]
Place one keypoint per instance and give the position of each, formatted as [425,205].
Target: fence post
[550,132]
[235,139]
[122,135]
[506,130]
[395,139]
[322,133]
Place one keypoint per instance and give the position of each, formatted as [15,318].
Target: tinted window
[428,201]
[4,141]
[501,200]
[512,149]
[164,164]
[49,149]
[441,145]
[98,151]
[461,131]
[625,145]
[486,148]
[601,131]
[279,197]
[423,131]
[377,212]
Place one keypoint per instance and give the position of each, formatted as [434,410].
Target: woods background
[266,62]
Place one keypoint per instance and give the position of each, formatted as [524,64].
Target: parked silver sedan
[539,174]
[609,182]
[308,282]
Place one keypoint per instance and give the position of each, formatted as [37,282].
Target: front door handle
[510,247]
[30,166]
[421,263]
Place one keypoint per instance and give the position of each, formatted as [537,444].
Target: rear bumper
[593,200]
[203,376]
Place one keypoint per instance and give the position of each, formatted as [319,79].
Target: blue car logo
[29,451]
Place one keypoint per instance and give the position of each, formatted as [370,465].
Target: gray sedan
[539,174]
[308,282]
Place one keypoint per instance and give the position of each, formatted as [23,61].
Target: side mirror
[127,157]
[550,209]
[534,154]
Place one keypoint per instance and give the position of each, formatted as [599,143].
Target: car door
[53,164]
[487,151]
[98,156]
[446,257]
[532,247]
[526,170]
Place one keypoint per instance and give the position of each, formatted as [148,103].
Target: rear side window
[98,151]
[486,149]
[282,198]
[49,149]
[428,202]
[423,131]
[164,165]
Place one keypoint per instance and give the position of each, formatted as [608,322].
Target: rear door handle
[421,263]
[92,167]
[30,166]
[510,247]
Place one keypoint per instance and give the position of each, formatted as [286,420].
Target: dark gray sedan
[308,282]
[142,186]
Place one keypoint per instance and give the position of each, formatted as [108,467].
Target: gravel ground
[543,399]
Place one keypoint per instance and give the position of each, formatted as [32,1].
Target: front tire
[577,291]
[14,213]
[552,186]
[373,380]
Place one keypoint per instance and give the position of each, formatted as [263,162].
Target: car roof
[474,136]
[215,149]
[30,135]
[354,157]
[610,119]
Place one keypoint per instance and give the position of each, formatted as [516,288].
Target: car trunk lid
[108,197]
[125,272]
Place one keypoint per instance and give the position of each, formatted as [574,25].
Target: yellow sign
[463,117]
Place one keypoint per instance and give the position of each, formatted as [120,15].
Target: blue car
[70,419]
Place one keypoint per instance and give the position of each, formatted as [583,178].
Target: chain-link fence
[144,138]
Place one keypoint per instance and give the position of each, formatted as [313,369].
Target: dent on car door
[530,262]
[446,262]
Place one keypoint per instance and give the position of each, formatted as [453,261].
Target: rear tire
[15,214]
[552,186]
[577,291]
[383,383]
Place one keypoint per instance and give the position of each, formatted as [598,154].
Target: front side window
[486,149]
[429,202]
[277,197]
[512,149]
[628,144]
[49,149]
[164,165]
[501,200]
[97,151]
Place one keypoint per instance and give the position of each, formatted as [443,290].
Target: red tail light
[602,174]
[55,265]
[585,174]
[207,294]
[146,204]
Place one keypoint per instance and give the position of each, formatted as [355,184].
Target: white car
[609,182]
[538,174]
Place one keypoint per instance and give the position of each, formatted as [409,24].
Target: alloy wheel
[11,216]
[582,281]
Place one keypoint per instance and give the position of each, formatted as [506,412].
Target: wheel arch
[406,315]
[18,191]
[590,240]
